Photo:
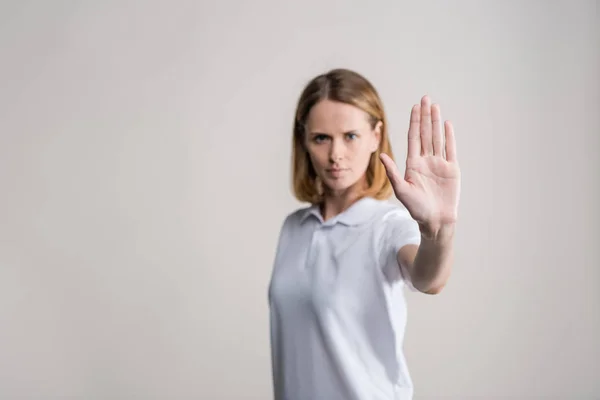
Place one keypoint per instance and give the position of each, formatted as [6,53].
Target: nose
[336,151]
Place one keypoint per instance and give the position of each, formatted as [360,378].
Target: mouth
[335,172]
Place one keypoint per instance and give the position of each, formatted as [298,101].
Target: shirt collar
[358,213]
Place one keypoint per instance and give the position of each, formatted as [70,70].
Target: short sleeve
[396,230]
[282,237]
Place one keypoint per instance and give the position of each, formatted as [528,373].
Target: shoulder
[296,216]
[290,227]
[293,220]
[394,224]
[389,212]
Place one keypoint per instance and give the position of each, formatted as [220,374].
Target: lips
[336,172]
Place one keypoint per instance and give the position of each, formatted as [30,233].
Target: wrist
[437,232]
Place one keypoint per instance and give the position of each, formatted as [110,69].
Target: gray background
[144,175]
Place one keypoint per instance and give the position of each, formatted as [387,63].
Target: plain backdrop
[145,173]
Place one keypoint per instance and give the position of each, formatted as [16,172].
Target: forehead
[328,115]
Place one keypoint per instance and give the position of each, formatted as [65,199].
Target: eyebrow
[315,133]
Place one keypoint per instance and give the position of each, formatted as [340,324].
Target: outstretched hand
[430,187]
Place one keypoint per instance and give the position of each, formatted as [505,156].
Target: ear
[377,132]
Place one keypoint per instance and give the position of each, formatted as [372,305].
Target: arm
[429,264]
[430,190]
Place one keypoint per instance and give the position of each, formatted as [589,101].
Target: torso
[337,304]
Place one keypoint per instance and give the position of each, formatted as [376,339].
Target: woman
[336,293]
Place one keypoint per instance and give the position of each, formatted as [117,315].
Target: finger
[450,142]
[392,172]
[438,135]
[425,126]
[414,134]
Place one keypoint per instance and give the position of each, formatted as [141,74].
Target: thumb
[393,174]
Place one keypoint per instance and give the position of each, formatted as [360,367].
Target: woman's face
[340,141]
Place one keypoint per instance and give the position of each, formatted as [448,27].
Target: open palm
[430,188]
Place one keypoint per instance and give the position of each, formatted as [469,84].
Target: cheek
[361,152]
[372,145]
[318,156]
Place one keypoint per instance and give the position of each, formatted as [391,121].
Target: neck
[335,202]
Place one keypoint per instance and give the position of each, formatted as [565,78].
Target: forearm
[433,262]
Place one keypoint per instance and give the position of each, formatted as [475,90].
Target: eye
[351,136]
[320,138]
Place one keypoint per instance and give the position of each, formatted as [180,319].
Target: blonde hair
[348,87]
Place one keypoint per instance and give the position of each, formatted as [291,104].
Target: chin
[339,185]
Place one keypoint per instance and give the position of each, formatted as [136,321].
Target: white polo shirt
[337,306]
